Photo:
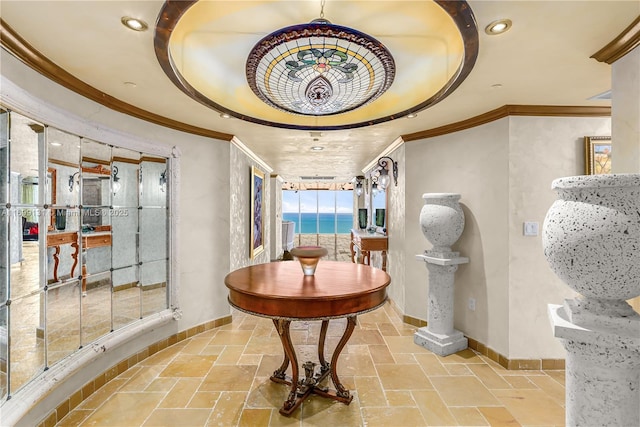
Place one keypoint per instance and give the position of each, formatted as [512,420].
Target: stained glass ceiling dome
[269,62]
[319,69]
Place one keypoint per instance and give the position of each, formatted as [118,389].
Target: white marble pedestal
[602,366]
[439,336]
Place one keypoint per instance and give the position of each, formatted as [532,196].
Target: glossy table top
[279,289]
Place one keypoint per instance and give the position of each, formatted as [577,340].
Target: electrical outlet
[472,304]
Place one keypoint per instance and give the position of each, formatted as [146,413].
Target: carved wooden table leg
[283,331]
[324,365]
[56,262]
[279,374]
[342,393]
[74,255]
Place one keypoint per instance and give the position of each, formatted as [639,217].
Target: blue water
[324,223]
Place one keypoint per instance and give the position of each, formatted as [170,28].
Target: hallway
[221,378]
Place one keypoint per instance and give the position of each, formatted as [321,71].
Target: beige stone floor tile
[163,357]
[405,359]
[228,409]
[177,418]
[180,395]
[463,356]
[250,359]
[188,365]
[403,377]
[124,409]
[433,409]
[520,381]
[204,399]
[463,391]
[499,416]
[319,411]
[531,407]
[212,350]
[457,369]
[366,336]
[489,377]
[370,391]
[230,355]
[356,365]
[162,384]
[381,354]
[393,416]
[196,345]
[468,416]
[264,345]
[103,393]
[267,394]
[403,344]
[75,418]
[431,365]
[229,378]
[221,378]
[255,418]
[559,376]
[240,337]
[269,363]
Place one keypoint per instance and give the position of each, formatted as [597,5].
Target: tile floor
[221,378]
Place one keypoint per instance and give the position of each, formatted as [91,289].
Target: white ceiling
[543,60]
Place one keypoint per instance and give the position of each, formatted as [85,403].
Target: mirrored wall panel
[84,247]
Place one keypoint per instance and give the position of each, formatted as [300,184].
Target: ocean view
[322,223]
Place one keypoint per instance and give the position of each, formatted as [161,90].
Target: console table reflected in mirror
[363,242]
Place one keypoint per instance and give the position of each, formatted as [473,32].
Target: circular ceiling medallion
[319,69]
[319,75]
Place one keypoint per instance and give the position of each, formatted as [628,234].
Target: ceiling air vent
[317,178]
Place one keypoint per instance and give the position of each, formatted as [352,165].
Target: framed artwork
[257,223]
[597,155]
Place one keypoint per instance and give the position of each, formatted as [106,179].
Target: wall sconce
[74,179]
[163,181]
[374,185]
[359,181]
[116,180]
[384,173]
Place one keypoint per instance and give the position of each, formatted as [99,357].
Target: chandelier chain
[322,8]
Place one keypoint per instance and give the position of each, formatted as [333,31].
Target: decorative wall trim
[510,110]
[21,49]
[267,169]
[510,364]
[94,385]
[628,40]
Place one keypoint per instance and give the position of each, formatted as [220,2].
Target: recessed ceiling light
[317,148]
[498,27]
[55,144]
[496,86]
[225,116]
[134,24]
[412,116]
[130,84]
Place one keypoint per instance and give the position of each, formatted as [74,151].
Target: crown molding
[628,40]
[21,49]
[510,110]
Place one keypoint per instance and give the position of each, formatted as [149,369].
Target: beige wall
[503,171]
[473,163]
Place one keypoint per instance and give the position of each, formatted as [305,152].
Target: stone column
[439,336]
[442,222]
[591,239]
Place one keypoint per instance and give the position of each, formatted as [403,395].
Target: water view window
[319,211]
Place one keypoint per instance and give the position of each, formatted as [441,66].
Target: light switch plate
[531,228]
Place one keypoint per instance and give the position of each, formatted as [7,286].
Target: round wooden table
[279,291]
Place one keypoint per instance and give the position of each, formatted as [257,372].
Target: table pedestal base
[301,388]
